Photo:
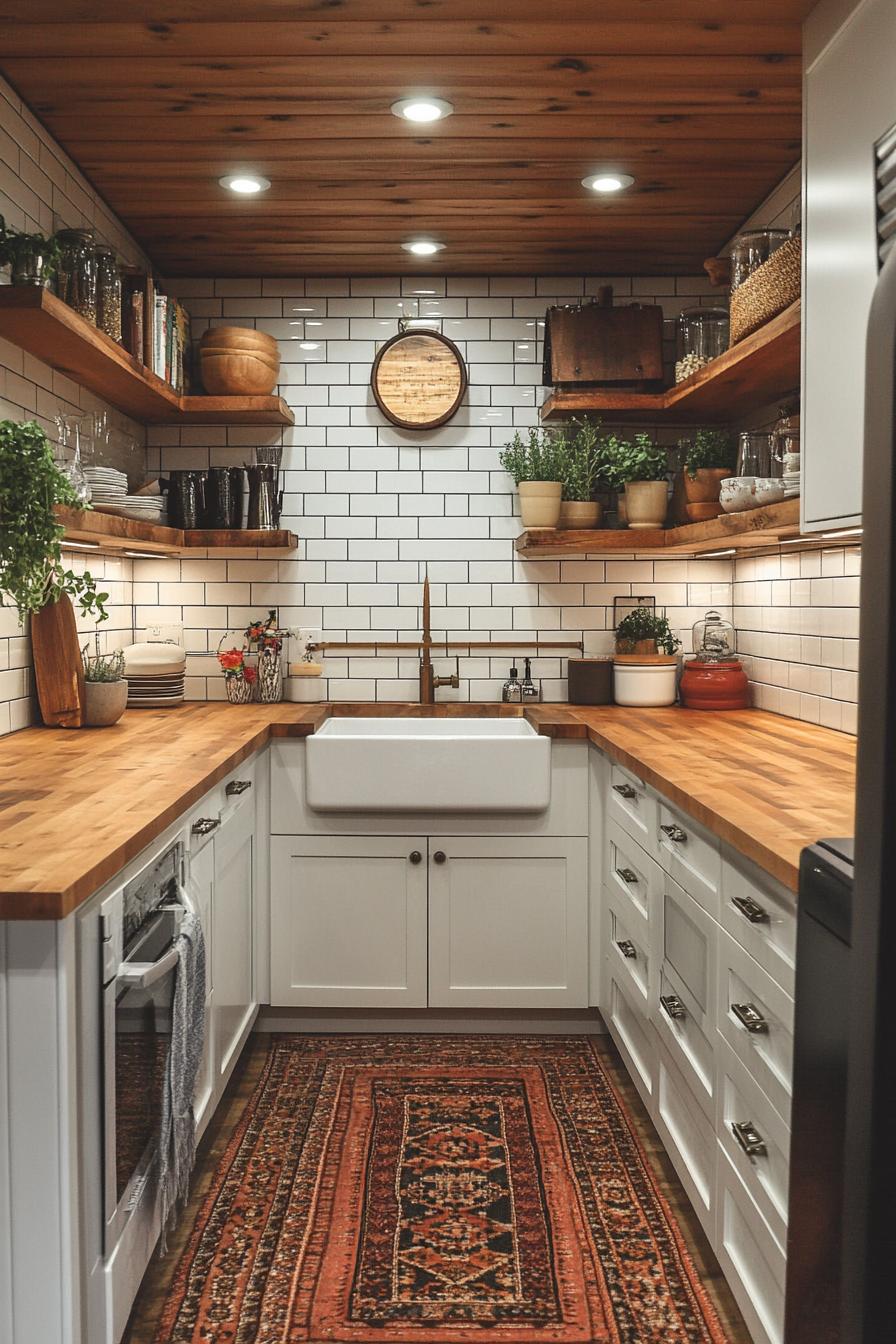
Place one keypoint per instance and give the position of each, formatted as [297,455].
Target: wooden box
[595,344]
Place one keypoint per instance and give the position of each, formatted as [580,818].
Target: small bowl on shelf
[737,493]
[769,490]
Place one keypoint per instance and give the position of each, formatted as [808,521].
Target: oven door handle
[142,974]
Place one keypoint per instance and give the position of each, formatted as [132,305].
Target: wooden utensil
[58,670]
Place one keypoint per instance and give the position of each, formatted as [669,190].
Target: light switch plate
[163,634]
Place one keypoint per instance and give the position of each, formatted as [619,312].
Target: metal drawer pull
[675,834]
[750,910]
[237,786]
[205,825]
[749,1138]
[672,1006]
[749,1016]
[627,875]
[415,856]
[625,791]
[440,856]
[627,948]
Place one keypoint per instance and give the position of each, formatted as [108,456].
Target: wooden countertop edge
[560,722]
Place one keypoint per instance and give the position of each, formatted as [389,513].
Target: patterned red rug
[436,1189]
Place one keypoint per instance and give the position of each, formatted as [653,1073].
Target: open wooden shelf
[49,329]
[755,527]
[756,371]
[111,534]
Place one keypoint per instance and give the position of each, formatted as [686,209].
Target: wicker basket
[772,287]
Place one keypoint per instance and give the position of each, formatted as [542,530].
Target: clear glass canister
[108,293]
[77,271]
[702,336]
[713,638]
[749,250]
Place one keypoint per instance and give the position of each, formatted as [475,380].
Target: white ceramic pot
[738,493]
[646,503]
[540,503]
[104,702]
[768,490]
[578,514]
[645,685]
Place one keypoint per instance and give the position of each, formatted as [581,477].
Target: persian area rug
[435,1190]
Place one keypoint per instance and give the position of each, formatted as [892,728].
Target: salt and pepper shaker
[512,693]
[529,690]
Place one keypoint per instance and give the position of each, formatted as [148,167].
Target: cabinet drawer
[633,1034]
[688,1137]
[756,1019]
[684,1011]
[761,915]
[691,855]
[630,804]
[756,1140]
[752,1261]
[627,949]
[630,873]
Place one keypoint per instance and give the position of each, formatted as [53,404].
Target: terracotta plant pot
[704,487]
[540,503]
[104,702]
[646,503]
[579,514]
[701,513]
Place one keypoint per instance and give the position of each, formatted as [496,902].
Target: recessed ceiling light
[245,184]
[422,109]
[606,183]
[423,247]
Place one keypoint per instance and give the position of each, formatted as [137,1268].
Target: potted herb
[33,577]
[645,668]
[105,687]
[582,463]
[31,257]
[708,459]
[535,466]
[641,466]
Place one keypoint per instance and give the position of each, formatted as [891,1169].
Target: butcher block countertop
[77,805]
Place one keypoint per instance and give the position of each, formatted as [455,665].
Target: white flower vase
[270,677]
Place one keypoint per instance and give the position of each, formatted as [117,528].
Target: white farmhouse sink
[427,765]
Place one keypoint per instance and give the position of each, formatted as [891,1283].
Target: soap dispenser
[512,693]
[529,689]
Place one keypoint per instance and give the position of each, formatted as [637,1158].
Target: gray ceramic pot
[104,702]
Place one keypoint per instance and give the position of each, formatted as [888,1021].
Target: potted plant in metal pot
[105,687]
[708,458]
[641,467]
[535,466]
[33,577]
[645,666]
[31,257]
[582,464]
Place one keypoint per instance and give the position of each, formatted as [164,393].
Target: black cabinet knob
[415,856]
[440,856]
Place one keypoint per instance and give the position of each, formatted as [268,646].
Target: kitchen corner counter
[76,806]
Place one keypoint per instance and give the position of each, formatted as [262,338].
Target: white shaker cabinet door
[202,887]
[850,102]
[348,921]
[508,923]
[233,923]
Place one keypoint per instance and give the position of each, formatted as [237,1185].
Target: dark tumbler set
[213,499]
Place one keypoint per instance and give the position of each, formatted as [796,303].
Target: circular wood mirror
[419,379]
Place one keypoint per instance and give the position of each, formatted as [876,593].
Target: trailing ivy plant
[641,624]
[32,573]
[539,458]
[710,448]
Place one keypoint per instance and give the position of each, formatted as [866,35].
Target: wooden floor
[147,1309]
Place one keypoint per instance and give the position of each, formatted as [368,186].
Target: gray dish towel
[177,1134]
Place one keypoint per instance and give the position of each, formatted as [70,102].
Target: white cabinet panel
[202,882]
[756,1140]
[631,805]
[691,855]
[508,923]
[684,1008]
[755,1017]
[348,921]
[630,872]
[688,1136]
[233,957]
[628,950]
[760,914]
[751,1259]
[634,1035]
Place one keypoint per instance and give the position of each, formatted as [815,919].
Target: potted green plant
[645,667]
[644,631]
[708,458]
[31,257]
[641,467]
[105,687]
[581,467]
[535,465]
[33,577]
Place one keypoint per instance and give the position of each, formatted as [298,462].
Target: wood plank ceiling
[156,101]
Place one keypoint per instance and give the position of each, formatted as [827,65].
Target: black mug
[186,499]
[224,498]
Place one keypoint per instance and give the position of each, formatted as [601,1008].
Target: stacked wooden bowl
[238,362]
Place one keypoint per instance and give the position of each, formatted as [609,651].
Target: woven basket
[772,287]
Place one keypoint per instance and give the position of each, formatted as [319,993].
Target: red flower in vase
[231,659]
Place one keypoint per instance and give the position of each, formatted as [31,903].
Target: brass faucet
[429,682]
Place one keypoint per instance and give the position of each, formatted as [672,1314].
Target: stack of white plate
[791,484]
[155,674]
[148,508]
[107,486]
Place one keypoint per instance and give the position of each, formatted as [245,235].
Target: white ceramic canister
[645,685]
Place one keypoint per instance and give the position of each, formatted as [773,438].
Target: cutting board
[58,670]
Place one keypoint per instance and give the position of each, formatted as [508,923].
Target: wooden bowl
[239,338]
[701,513]
[213,351]
[237,374]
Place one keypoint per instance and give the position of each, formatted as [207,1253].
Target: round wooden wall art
[419,379]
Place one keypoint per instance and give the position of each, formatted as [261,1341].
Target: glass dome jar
[751,249]
[77,271]
[713,638]
[702,336]
[108,293]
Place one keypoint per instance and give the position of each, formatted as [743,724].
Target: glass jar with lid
[702,336]
[713,638]
[751,249]
[77,271]
[108,293]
